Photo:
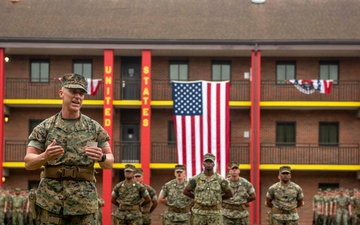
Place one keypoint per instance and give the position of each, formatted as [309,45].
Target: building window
[285,133]
[33,124]
[221,70]
[171,133]
[40,70]
[329,133]
[83,67]
[179,70]
[329,70]
[285,70]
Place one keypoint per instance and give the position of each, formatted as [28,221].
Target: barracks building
[274,54]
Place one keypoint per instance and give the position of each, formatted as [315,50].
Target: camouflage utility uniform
[178,211]
[355,204]
[18,209]
[284,200]
[234,207]
[145,209]
[342,203]
[68,196]
[207,193]
[129,197]
[3,200]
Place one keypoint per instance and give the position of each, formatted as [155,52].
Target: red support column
[255,135]
[108,126]
[146,114]
[2,96]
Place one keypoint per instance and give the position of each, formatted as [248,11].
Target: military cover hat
[73,80]
[179,168]
[138,172]
[209,156]
[129,167]
[285,169]
[233,165]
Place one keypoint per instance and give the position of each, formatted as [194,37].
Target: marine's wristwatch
[103,158]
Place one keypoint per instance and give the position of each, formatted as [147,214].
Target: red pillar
[255,135]
[146,114]
[2,87]
[108,126]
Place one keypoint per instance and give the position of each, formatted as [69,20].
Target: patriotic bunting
[310,86]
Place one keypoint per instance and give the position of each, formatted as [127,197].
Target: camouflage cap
[233,165]
[179,168]
[129,167]
[209,156]
[138,172]
[285,169]
[73,80]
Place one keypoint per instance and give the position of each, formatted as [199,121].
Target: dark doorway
[130,145]
[130,74]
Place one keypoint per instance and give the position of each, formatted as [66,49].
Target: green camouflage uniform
[241,190]
[285,198]
[3,199]
[208,194]
[342,213]
[17,210]
[128,195]
[173,192]
[317,200]
[355,202]
[68,197]
[326,204]
[146,208]
[101,204]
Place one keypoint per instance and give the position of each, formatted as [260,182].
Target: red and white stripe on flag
[93,86]
[201,119]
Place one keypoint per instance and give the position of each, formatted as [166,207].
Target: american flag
[201,121]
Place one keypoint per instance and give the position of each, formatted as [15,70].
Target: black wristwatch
[103,158]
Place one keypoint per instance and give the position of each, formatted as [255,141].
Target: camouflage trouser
[2,217]
[17,217]
[285,222]
[146,218]
[236,221]
[167,219]
[342,215]
[127,218]
[48,218]
[210,219]
[356,218]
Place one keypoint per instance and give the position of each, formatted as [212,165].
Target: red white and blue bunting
[311,86]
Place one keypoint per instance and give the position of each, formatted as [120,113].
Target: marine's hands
[53,151]
[94,153]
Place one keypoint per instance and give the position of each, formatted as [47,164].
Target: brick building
[255,46]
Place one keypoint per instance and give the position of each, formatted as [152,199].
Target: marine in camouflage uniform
[18,208]
[327,207]
[128,195]
[3,206]
[148,208]
[208,189]
[68,144]
[355,208]
[317,203]
[171,195]
[283,198]
[234,208]
[342,205]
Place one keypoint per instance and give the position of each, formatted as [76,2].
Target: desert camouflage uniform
[173,192]
[241,189]
[342,213]
[128,196]
[3,199]
[284,200]
[146,208]
[66,198]
[208,192]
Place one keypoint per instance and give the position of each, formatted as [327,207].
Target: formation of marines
[336,207]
